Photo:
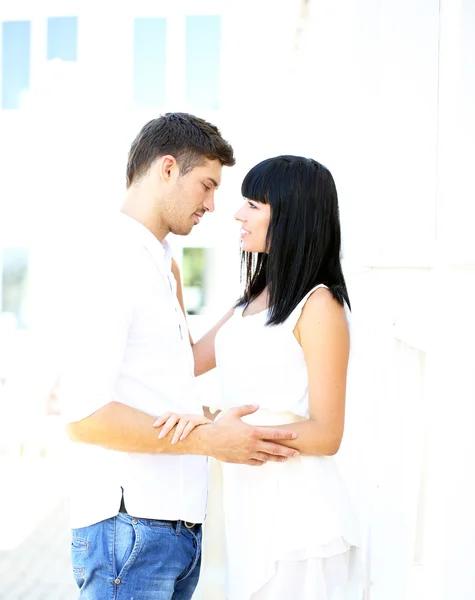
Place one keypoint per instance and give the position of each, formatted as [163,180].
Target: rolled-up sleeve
[96,315]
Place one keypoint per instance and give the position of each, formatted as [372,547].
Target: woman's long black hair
[303,239]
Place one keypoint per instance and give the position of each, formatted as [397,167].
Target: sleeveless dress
[282,531]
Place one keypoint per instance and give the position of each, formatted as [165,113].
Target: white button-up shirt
[127,341]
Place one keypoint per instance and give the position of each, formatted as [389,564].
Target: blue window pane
[203,47]
[15,266]
[62,38]
[15,62]
[150,52]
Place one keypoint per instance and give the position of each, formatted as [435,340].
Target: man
[138,501]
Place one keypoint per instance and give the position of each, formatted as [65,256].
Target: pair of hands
[230,439]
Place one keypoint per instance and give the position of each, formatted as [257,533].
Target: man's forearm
[120,427]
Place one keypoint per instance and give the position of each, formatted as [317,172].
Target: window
[15,62]
[62,38]
[203,46]
[14,283]
[150,41]
[197,277]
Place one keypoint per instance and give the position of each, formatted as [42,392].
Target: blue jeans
[125,558]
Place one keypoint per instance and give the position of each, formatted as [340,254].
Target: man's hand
[231,440]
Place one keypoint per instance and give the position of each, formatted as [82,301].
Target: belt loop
[178,527]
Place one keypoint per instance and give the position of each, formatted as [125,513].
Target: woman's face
[254,218]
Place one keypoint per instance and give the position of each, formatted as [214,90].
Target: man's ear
[167,164]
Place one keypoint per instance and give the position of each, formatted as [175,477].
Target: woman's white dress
[283,531]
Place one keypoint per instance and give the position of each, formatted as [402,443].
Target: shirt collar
[161,252]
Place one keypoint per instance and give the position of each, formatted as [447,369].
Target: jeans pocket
[79,573]
[78,547]
[79,544]
[91,555]
[195,539]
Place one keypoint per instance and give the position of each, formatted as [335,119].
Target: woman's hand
[184,425]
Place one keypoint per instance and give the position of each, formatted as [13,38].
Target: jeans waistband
[176,525]
[155,522]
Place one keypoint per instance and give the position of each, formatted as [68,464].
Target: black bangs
[304,237]
[256,183]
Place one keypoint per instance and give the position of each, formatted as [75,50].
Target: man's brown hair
[189,139]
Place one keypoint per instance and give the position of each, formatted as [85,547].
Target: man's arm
[117,426]
[179,291]
[98,310]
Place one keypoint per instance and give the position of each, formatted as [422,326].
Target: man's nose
[209,204]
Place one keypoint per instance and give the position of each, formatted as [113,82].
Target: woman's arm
[322,331]
[203,349]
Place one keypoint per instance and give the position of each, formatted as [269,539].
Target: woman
[288,528]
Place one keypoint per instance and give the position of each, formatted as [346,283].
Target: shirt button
[134,521]
[117,581]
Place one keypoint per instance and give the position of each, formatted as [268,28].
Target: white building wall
[401,133]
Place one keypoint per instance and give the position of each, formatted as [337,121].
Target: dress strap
[294,316]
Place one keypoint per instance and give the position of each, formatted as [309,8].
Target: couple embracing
[144,445]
